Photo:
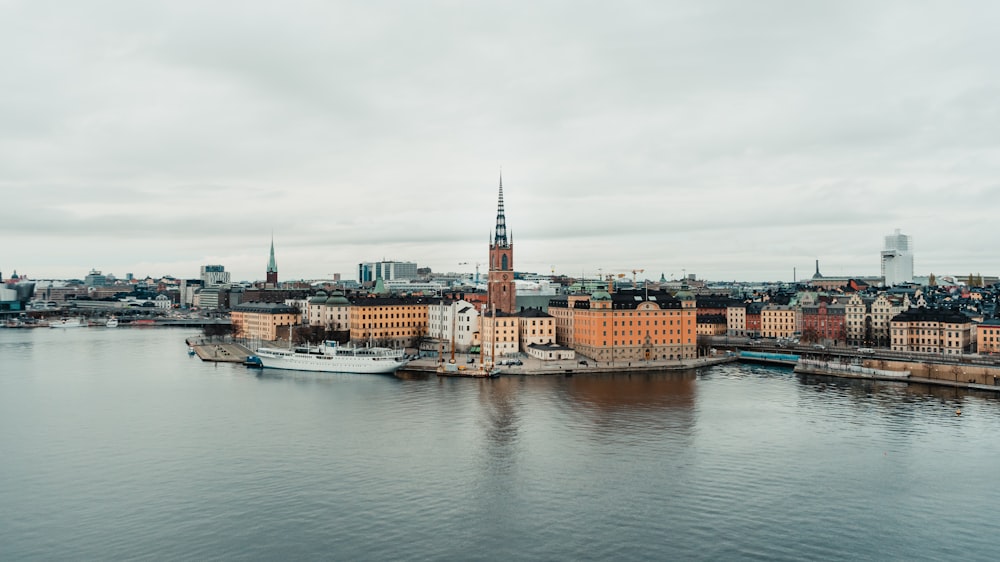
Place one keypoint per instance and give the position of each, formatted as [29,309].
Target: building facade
[988,337]
[389,321]
[925,330]
[633,325]
[264,321]
[897,259]
[778,321]
[214,275]
[453,321]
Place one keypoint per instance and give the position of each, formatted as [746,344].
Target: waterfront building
[389,321]
[502,292]
[929,330]
[897,259]
[736,319]
[549,352]
[453,320]
[536,327]
[214,275]
[988,337]
[753,315]
[711,324]
[561,311]
[386,270]
[779,321]
[824,322]
[263,320]
[867,319]
[332,312]
[633,325]
[213,297]
[271,280]
[507,333]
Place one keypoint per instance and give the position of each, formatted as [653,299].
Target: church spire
[272,266]
[500,237]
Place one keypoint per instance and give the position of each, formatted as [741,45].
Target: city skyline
[733,141]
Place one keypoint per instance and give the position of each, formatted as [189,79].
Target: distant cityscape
[620,315]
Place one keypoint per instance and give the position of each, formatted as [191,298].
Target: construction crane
[477,269]
[634,271]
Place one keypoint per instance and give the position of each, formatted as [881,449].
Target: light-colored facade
[897,259]
[214,275]
[924,330]
[389,322]
[332,311]
[263,321]
[867,320]
[506,340]
[736,320]
[536,328]
[988,337]
[386,270]
[779,321]
[453,320]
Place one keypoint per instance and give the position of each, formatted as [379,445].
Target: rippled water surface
[115,444]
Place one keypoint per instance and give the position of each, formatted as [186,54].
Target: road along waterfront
[117,444]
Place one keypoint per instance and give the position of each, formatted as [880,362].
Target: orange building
[633,325]
[389,322]
[988,337]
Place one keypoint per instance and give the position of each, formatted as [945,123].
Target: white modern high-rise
[897,259]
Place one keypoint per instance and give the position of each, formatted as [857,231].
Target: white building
[897,259]
[386,270]
[455,317]
[214,275]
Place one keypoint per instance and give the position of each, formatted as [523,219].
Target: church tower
[272,269]
[501,275]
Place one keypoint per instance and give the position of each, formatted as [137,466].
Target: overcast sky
[734,140]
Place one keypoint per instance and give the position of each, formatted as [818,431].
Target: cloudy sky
[734,140]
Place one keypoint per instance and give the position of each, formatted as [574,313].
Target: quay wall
[965,374]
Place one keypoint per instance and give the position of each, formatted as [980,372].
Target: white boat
[112,322]
[68,323]
[331,357]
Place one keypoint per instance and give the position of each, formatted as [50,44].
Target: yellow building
[506,341]
[926,330]
[778,321]
[389,322]
[632,325]
[536,327]
[264,320]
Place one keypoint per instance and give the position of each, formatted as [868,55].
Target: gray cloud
[737,140]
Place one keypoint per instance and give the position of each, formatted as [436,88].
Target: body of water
[117,445]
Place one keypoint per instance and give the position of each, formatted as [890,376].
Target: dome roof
[337,298]
[600,296]
[684,296]
[319,298]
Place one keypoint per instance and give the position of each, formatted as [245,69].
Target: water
[117,445]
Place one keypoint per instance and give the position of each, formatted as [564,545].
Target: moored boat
[68,323]
[331,357]
[112,322]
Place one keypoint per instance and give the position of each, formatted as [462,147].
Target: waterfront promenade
[533,366]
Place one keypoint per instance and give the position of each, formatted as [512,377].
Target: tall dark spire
[500,237]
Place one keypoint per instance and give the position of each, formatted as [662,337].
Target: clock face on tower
[504,276]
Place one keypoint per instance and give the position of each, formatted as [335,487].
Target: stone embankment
[532,366]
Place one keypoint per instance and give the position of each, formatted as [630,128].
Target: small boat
[112,322]
[68,323]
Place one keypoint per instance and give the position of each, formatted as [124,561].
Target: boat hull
[365,362]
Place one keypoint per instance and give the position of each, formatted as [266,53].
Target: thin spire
[272,266]
[500,237]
